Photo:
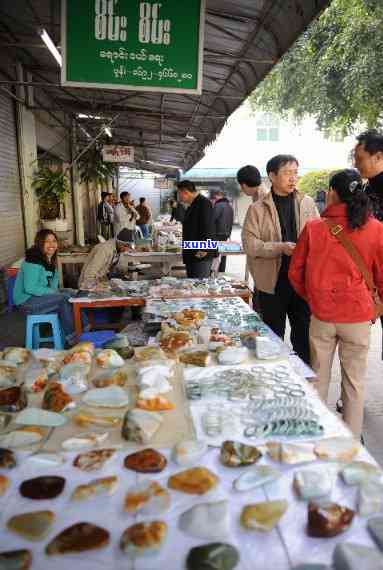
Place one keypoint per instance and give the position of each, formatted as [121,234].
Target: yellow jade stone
[195,481]
[263,516]
[33,526]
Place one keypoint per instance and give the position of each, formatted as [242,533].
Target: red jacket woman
[323,273]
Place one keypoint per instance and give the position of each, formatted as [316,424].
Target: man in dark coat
[177,211]
[105,215]
[223,219]
[368,157]
[198,226]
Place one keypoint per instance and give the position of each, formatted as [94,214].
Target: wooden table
[89,303]
[66,258]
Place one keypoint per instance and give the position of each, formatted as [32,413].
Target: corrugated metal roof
[243,40]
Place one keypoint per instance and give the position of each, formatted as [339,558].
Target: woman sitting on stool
[36,289]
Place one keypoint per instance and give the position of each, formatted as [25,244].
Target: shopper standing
[105,215]
[323,272]
[125,215]
[223,219]
[177,211]
[368,158]
[197,226]
[269,234]
[145,217]
[250,182]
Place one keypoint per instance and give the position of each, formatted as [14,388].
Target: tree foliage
[333,71]
[314,181]
[92,168]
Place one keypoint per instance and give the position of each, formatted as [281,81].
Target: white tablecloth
[259,551]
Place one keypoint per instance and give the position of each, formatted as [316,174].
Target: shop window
[267,128]
[261,135]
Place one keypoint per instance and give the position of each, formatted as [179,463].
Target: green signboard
[128,44]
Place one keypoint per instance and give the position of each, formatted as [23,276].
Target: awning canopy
[243,41]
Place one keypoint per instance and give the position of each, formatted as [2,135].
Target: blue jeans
[145,230]
[54,303]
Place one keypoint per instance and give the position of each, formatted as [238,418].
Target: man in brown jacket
[269,234]
[145,217]
[102,262]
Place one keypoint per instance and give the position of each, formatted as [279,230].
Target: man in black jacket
[197,226]
[223,218]
[368,156]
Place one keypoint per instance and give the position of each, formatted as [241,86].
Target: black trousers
[198,269]
[286,303]
[222,265]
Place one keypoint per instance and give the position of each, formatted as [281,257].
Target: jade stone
[15,560]
[213,556]
[351,556]
[375,528]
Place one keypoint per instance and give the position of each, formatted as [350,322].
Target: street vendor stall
[121,293]
[202,449]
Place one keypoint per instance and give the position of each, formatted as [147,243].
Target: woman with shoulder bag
[337,267]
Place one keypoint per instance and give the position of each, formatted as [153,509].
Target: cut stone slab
[42,488]
[145,538]
[312,484]
[15,560]
[263,516]
[147,498]
[375,528]
[256,477]
[7,458]
[351,556]
[213,556]
[208,521]
[39,417]
[337,448]
[325,521]
[370,498]
[358,472]
[146,461]
[78,538]
[33,526]
[188,451]
[194,481]
[236,454]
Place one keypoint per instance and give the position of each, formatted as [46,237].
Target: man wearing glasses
[368,159]
[269,235]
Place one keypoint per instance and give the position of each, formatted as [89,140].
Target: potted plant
[51,186]
[93,169]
